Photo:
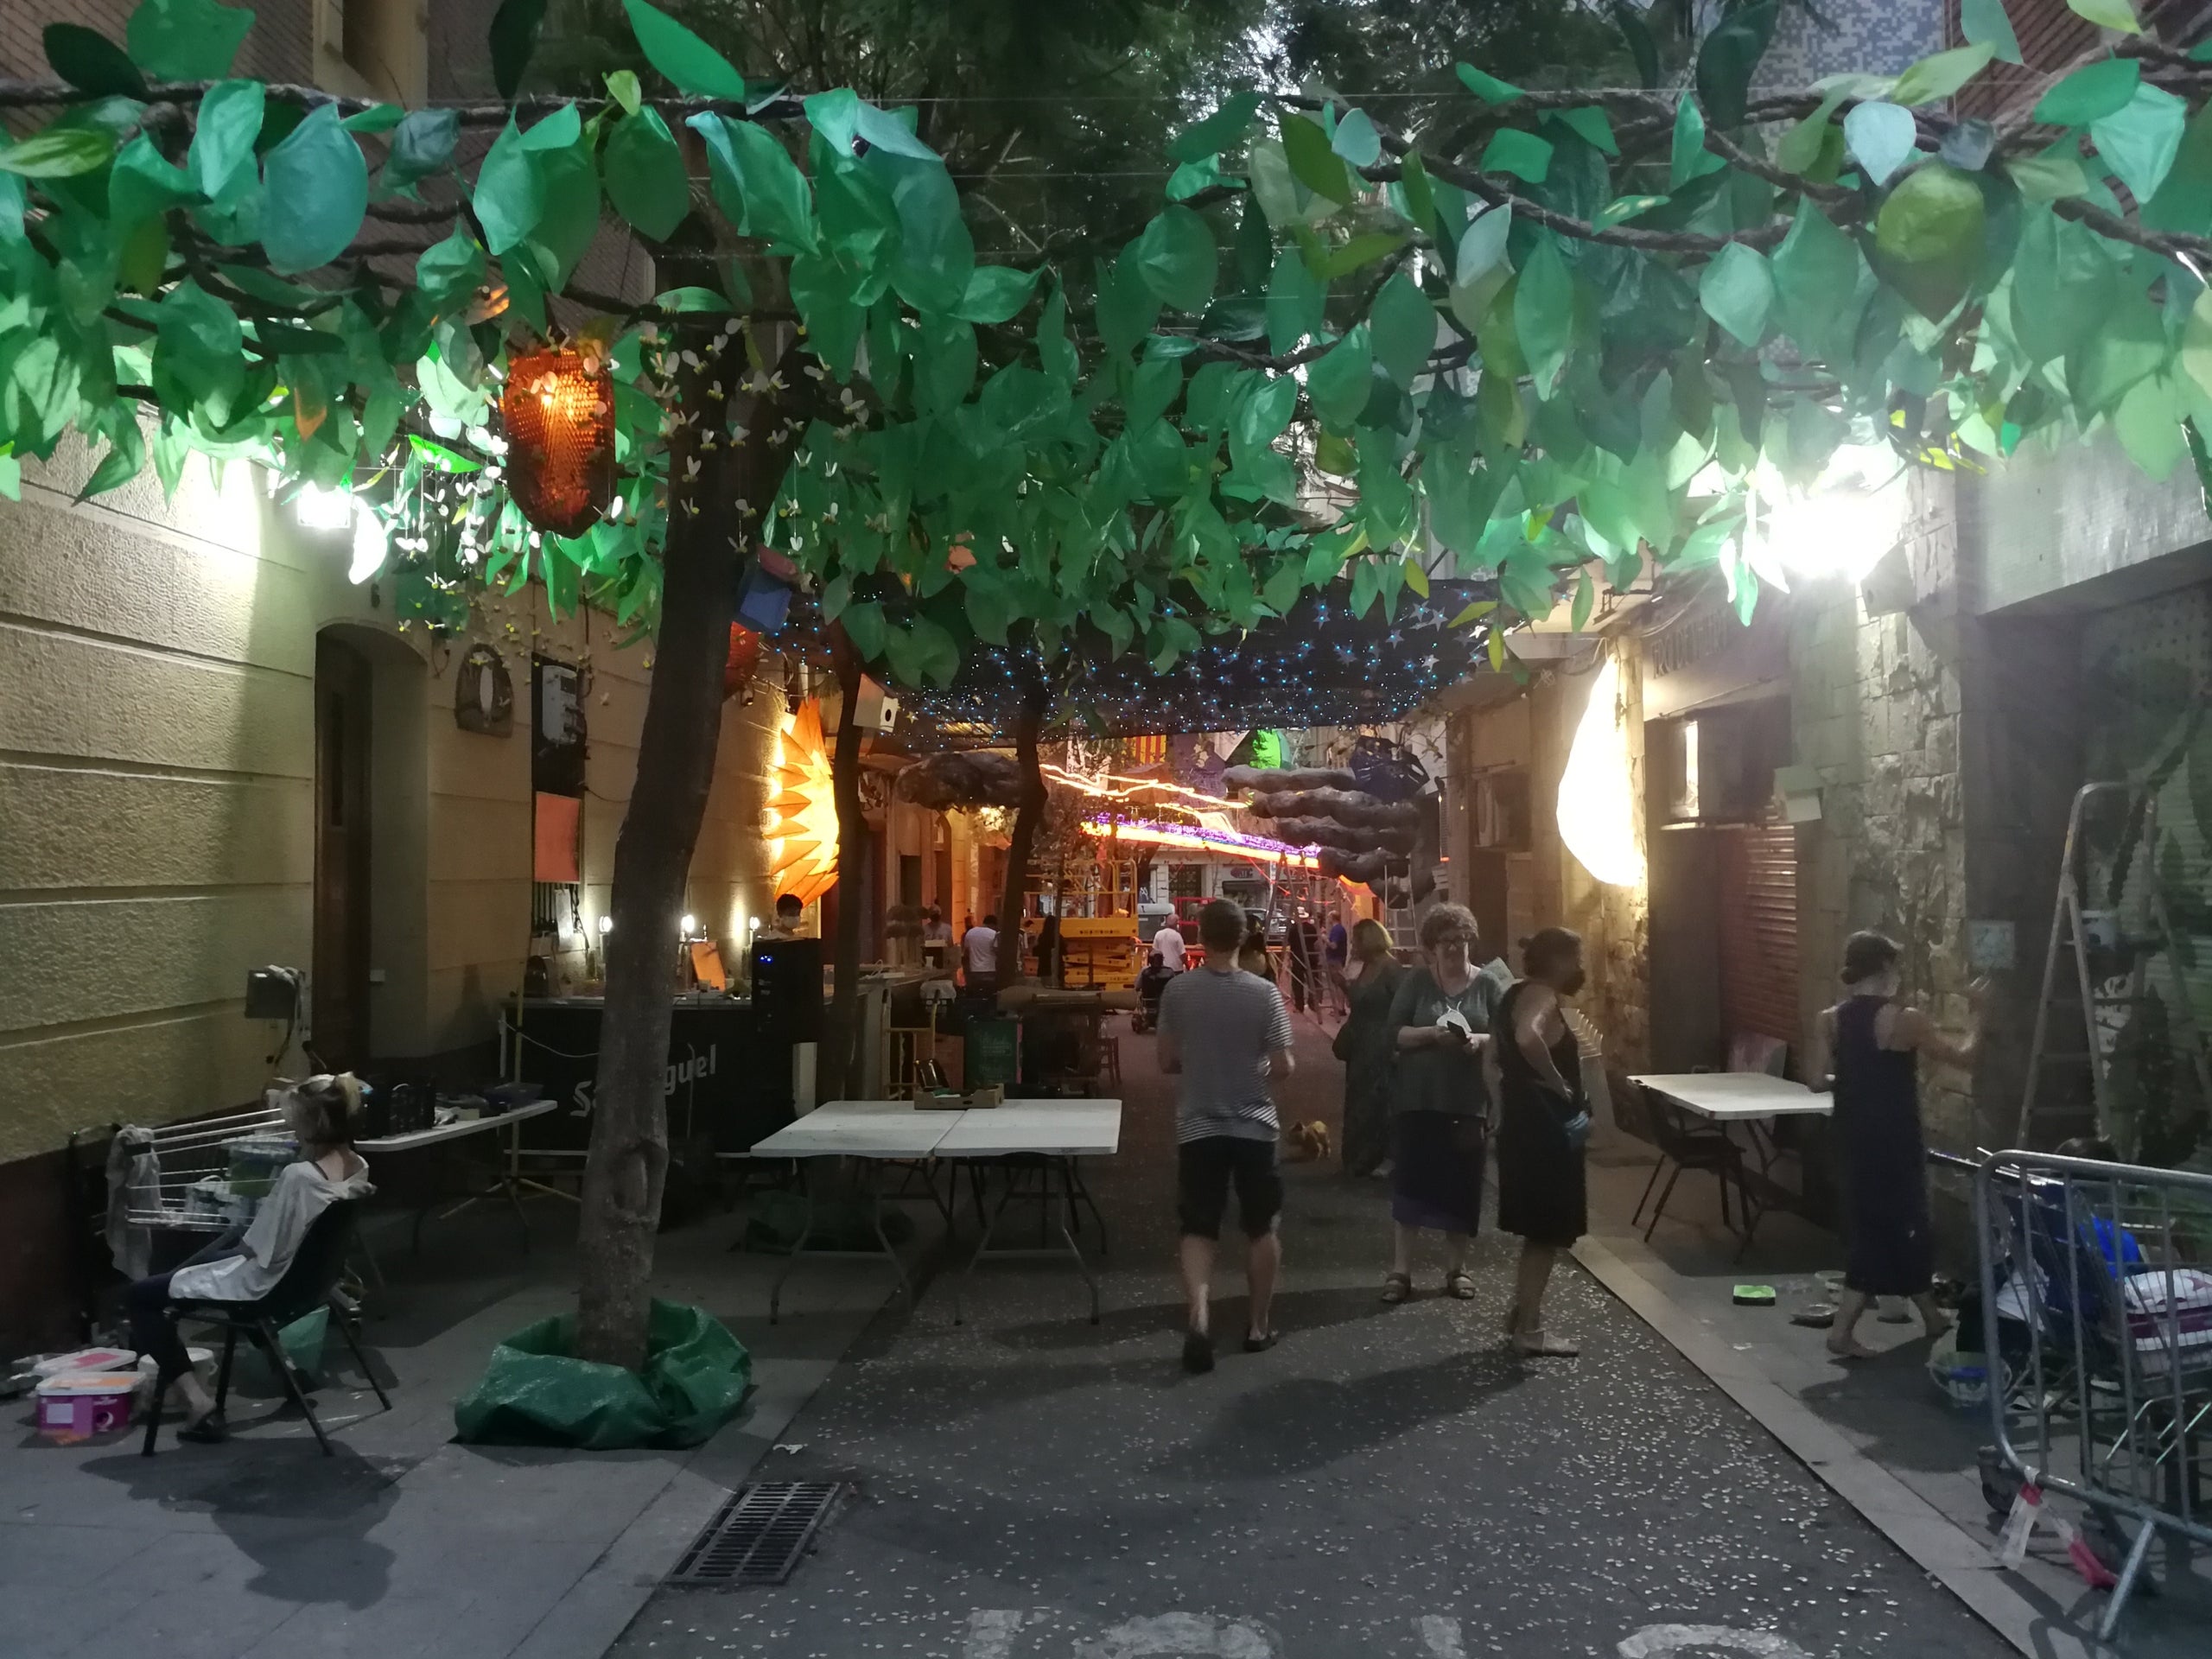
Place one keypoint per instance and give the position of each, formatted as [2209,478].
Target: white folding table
[1752,1098]
[1045,1137]
[875,1133]
[510,1183]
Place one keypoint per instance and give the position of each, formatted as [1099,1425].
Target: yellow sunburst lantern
[803,810]
[1597,795]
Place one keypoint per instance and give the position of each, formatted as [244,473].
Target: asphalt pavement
[1386,1483]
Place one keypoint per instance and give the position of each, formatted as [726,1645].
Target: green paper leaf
[687,62]
[59,153]
[91,62]
[1356,139]
[1591,126]
[2147,423]
[377,119]
[1881,138]
[935,255]
[1177,260]
[622,87]
[1358,251]
[317,188]
[2140,142]
[1336,382]
[996,293]
[2048,177]
[2195,358]
[1296,300]
[1984,23]
[1936,78]
[570,216]
[1487,87]
[222,142]
[1543,313]
[1482,267]
[1689,159]
[757,183]
[513,40]
[1816,275]
[644,174]
[423,146]
[1219,132]
[1402,329]
[509,195]
[1313,162]
[1730,56]
[1737,291]
[1126,308]
[1521,154]
[2090,94]
[1153,386]
[186,40]
[2107,14]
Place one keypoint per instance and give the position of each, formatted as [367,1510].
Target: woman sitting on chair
[246,1264]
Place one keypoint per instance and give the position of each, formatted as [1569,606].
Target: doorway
[344,694]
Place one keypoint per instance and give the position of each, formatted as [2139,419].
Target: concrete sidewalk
[1879,1432]
[405,1542]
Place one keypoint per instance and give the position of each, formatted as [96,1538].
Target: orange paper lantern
[558,408]
[744,659]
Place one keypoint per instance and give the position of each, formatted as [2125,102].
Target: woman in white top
[245,1267]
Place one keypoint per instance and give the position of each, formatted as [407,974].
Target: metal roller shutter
[1758,932]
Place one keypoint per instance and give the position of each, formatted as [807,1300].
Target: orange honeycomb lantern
[559,412]
[744,659]
[802,828]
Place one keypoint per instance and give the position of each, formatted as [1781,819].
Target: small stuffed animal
[1309,1143]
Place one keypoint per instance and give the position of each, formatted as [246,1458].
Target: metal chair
[310,1282]
[1689,1147]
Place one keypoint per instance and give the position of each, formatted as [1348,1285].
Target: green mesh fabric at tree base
[536,1393]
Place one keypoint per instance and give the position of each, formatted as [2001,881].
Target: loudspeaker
[787,990]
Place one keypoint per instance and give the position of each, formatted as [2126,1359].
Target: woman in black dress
[1544,1120]
[1440,1019]
[1366,1044]
[1874,1043]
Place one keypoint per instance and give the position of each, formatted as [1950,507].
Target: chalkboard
[992,1054]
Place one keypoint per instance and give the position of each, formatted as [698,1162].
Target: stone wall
[1876,707]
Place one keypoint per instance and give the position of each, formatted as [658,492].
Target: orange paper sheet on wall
[555,858]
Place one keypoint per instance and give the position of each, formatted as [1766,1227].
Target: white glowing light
[688,926]
[754,922]
[1597,805]
[317,508]
[606,925]
[369,547]
[1845,524]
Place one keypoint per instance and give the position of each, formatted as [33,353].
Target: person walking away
[1438,1020]
[1367,1043]
[1225,1034]
[1048,950]
[979,954]
[1543,1123]
[1336,949]
[1171,946]
[1304,951]
[1875,1042]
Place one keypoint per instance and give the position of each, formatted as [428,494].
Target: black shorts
[1203,1170]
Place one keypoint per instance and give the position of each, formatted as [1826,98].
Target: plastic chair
[1687,1148]
[310,1282]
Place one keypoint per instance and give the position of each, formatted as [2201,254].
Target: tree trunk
[628,1158]
[840,1076]
[1029,817]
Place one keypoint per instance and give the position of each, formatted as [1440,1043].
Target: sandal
[1396,1287]
[1460,1284]
[1535,1345]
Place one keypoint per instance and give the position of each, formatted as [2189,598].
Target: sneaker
[1197,1352]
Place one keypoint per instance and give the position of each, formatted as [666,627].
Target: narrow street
[1385,1483]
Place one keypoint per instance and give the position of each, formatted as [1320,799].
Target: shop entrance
[344,694]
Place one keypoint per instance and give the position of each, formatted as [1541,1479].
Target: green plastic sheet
[536,1392]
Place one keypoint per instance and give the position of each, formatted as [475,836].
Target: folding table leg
[798,1245]
[1066,1166]
[873,1199]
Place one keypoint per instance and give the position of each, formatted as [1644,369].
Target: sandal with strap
[1535,1345]
[1459,1284]
[1396,1287]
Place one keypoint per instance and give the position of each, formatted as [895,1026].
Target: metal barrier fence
[2096,1290]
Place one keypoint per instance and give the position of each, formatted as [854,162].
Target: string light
[1201,839]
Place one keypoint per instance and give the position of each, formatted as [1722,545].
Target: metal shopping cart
[2096,1292]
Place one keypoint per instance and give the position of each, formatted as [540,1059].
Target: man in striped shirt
[1225,1034]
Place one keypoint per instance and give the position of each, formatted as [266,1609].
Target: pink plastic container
[77,1405]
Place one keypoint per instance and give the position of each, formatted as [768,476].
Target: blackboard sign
[724,1081]
[992,1053]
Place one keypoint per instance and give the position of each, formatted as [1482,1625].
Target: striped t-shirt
[1224,1026]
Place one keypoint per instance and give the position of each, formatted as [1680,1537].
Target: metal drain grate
[759,1535]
